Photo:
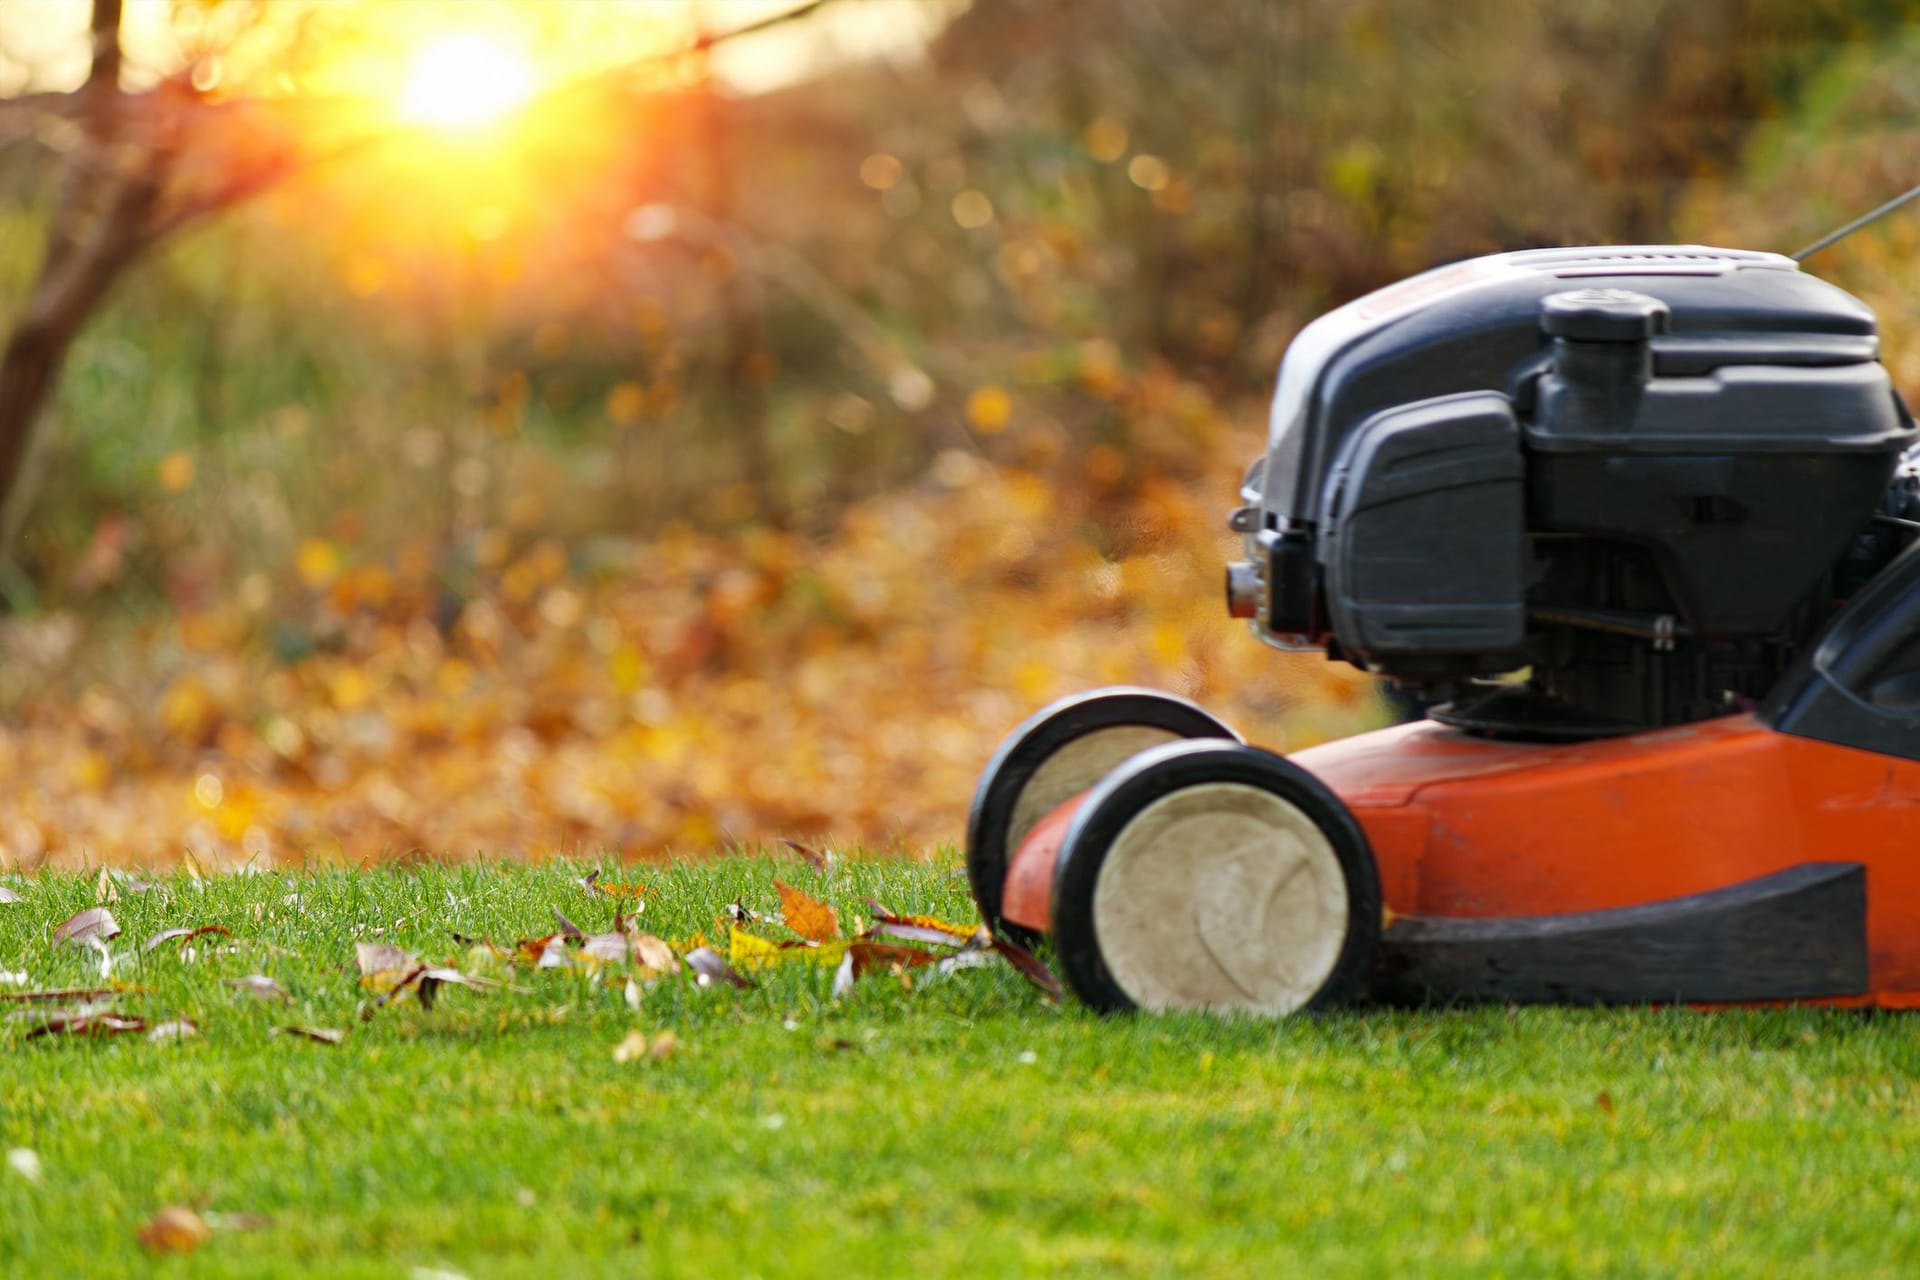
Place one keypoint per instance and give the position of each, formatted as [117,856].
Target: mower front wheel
[1217,876]
[1057,754]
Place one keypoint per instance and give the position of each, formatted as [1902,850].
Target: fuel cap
[1602,315]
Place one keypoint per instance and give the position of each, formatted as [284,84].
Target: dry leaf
[260,987]
[319,1035]
[568,927]
[1604,1101]
[1029,966]
[749,951]
[549,952]
[928,929]
[62,993]
[613,948]
[637,1048]
[807,915]
[184,935]
[94,922]
[7,896]
[868,956]
[812,857]
[24,1161]
[84,1021]
[175,1229]
[709,968]
[654,956]
[173,1032]
[381,957]
[431,980]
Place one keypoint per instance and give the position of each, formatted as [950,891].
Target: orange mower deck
[1724,857]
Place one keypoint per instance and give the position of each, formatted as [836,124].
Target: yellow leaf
[176,472]
[989,409]
[318,562]
[806,915]
[175,1229]
[748,951]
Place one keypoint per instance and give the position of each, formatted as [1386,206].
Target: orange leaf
[806,915]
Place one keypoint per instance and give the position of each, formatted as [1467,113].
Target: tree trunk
[99,227]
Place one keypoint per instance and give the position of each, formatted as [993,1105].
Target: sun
[465,80]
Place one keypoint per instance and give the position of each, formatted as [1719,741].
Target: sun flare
[465,80]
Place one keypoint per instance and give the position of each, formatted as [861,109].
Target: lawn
[962,1126]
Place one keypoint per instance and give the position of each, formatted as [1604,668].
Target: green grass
[964,1127]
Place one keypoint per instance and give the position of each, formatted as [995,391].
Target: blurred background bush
[576,427]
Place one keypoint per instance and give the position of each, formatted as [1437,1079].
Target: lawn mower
[1639,525]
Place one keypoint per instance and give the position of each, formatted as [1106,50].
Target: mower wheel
[1058,753]
[1211,875]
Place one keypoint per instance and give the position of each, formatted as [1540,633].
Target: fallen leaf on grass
[94,922]
[654,956]
[112,884]
[868,956]
[1029,966]
[806,915]
[750,951]
[8,896]
[1604,1101]
[62,993]
[25,1162]
[708,968]
[431,980]
[812,857]
[319,1035]
[175,1229]
[568,927]
[927,929]
[549,952]
[184,935]
[260,987]
[84,1022]
[173,1032]
[637,1048]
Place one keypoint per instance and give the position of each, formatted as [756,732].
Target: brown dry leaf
[632,892]
[812,857]
[82,1021]
[807,915]
[184,935]
[319,1035]
[708,968]
[1029,966]
[612,948]
[549,952]
[431,980]
[635,1047]
[175,1229]
[868,956]
[1604,1101]
[654,956]
[62,993]
[929,929]
[94,922]
[567,927]
[381,957]
[260,987]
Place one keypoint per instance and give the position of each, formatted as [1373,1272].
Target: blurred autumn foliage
[745,466]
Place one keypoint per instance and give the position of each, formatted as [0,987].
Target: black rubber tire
[1162,771]
[990,820]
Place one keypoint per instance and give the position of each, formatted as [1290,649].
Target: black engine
[1581,492]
